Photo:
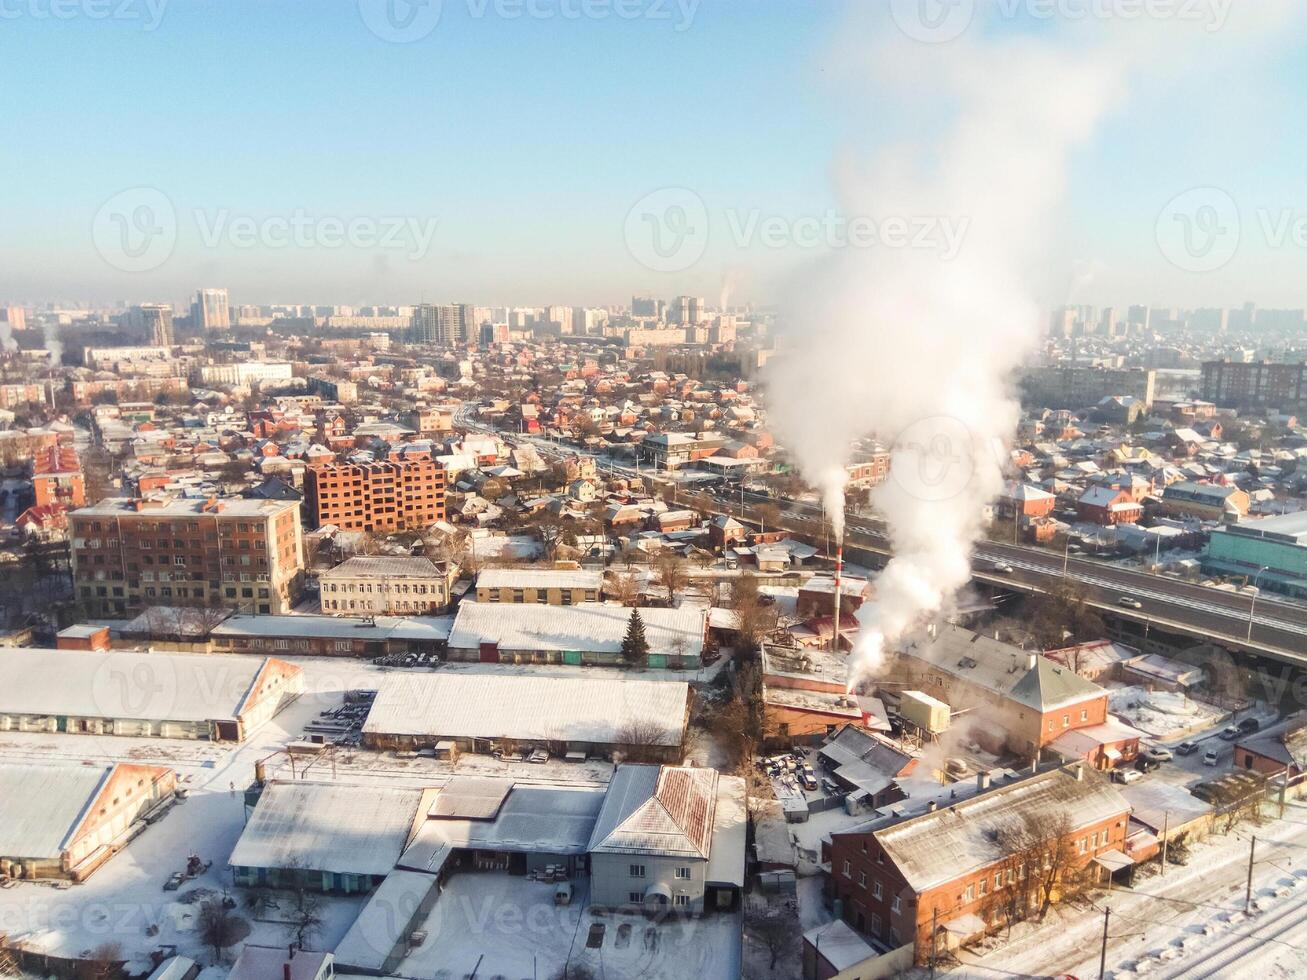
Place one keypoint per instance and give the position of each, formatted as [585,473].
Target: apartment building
[387,586]
[407,495]
[129,553]
[1260,384]
[57,478]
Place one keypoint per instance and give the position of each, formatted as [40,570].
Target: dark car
[1248,726]
[1186,748]
[1145,764]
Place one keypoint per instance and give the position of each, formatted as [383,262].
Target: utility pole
[1102,955]
[1166,824]
[1248,891]
[934,939]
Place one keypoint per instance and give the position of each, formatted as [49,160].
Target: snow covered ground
[1162,714]
[497,925]
[1190,923]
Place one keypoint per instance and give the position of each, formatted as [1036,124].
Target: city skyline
[545,177]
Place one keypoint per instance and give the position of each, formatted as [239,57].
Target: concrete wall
[611,883]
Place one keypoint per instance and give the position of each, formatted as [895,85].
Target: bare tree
[1047,852]
[642,739]
[669,567]
[218,928]
[106,961]
[776,930]
[305,919]
[625,588]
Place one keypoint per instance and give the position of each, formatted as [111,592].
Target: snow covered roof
[958,840]
[532,819]
[383,922]
[152,686]
[592,626]
[839,945]
[384,566]
[43,805]
[531,707]
[1002,668]
[334,627]
[345,828]
[539,578]
[658,810]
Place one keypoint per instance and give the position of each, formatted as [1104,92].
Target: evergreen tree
[635,648]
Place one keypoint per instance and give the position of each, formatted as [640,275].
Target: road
[1278,628]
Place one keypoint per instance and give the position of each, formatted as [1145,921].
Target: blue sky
[527,140]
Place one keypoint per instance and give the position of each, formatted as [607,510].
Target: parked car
[1229,733]
[1158,753]
[1211,757]
[1126,775]
[1186,748]
[1248,726]
[1129,602]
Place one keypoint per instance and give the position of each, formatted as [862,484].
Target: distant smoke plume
[53,344]
[7,341]
[916,347]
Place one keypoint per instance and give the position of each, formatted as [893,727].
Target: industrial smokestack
[839,576]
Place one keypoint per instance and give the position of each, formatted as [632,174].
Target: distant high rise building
[562,317]
[647,306]
[1139,318]
[155,321]
[447,326]
[588,322]
[1212,320]
[15,316]
[210,311]
[686,310]
[1062,322]
[1109,324]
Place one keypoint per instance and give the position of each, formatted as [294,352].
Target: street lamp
[1252,605]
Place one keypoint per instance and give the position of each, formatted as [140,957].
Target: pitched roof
[655,810]
[44,804]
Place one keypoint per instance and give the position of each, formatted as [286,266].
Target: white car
[1129,602]
[1211,757]
[1003,568]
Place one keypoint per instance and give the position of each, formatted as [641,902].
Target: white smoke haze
[53,344]
[918,350]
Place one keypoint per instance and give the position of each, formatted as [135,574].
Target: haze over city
[652,489]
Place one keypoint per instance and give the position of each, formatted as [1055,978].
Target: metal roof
[530,707]
[587,626]
[539,578]
[42,805]
[667,810]
[121,684]
[955,841]
[346,828]
[384,566]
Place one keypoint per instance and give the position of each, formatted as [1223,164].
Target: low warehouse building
[589,633]
[64,820]
[150,694]
[479,712]
[327,836]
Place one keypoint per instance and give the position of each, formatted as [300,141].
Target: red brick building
[386,496]
[57,478]
[1108,506]
[242,553]
[950,874]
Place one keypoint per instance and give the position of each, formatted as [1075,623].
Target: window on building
[896,905]
[683,873]
[682,901]
[637,871]
[876,891]
[848,868]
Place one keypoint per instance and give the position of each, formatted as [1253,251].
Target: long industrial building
[141,694]
[64,820]
[597,716]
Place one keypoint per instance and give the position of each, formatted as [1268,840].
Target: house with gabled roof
[669,838]
[1021,700]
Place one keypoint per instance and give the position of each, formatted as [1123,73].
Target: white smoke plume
[917,344]
[53,344]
